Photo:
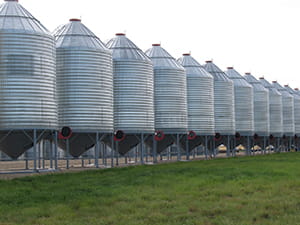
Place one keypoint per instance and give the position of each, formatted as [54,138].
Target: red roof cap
[274,81]
[155,44]
[296,89]
[209,61]
[74,19]
[120,34]
[186,54]
[247,73]
[230,68]
[286,85]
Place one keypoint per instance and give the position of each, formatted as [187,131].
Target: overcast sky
[257,36]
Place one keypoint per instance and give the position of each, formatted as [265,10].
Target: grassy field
[248,190]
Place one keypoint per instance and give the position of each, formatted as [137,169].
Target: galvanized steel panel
[200,97]
[84,79]
[275,101]
[170,97]
[14,17]
[261,106]
[133,87]
[27,71]
[223,100]
[243,103]
[287,110]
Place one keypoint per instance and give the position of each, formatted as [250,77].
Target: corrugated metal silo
[200,100]
[27,76]
[261,106]
[170,100]
[200,96]
[287,110]
[84,85]
[275,101]
[243,103]
[133,91]
[169,91]
[223,100]
[296,108]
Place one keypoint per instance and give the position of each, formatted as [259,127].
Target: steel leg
[34,151]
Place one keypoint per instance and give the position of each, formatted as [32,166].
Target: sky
[257,36]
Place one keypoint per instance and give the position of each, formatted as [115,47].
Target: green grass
[249,190]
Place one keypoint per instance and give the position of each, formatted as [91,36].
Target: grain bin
[223,100]
[200,96]
[84,85]
[287,110]
[243,103]
[296,108]
[133,92]
[27,75]
[223,105]
[275,103]
[261,106]
[170,99]
[169,91]
[200,99]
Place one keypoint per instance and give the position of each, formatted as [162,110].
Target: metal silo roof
[223,100]
[124,49]
[14,17]
[192,67]
[287,110]
[217,73]
[200,96]
[170,98]
[133,87]
[256,84]
[76,34]
[296,107]
[275,103]
[290,90]
[261,106]
[238,79]
[162,59]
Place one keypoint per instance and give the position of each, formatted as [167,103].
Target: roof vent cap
[75,20]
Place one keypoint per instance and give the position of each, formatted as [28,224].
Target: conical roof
[297,91]
[281,89]
[124,49]
[269,86]
[192,67]
[254,82]
[238,79]
[14,17]
[290,90]
[217,73]
[76,34]
[161,58]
